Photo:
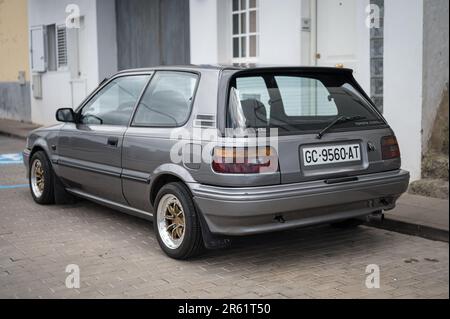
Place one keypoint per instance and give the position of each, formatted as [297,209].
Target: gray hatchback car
[284,147]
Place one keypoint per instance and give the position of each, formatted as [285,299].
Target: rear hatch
[300,104]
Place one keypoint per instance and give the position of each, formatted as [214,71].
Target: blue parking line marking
[6,159]
[13,186]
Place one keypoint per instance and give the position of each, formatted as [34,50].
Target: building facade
[398,49]
[15,100]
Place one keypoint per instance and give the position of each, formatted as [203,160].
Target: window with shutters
[61,39]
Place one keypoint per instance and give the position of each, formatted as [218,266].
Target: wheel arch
[168,173]
[159,182]
[40,145]
[36,149]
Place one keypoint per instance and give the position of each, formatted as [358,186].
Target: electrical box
[37,86]
[21,78]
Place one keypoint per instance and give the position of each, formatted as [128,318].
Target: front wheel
[41,179]
[176,222]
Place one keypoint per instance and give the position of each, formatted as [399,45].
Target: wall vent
[61,38]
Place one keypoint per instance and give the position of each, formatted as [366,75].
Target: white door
[337,33]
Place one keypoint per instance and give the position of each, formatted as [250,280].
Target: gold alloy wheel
[37,178]
[171,221]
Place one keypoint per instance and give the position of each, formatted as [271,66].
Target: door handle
[113,141]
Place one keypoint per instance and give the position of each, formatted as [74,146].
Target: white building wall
[57,88]
[204,31]
[283,42]
[435,62]
[280,32]
[279,43]
[106,39]
[224,45]
[403,77]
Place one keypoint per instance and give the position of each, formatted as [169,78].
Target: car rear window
[296,103]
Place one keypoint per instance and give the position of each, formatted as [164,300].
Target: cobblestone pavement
[119,257]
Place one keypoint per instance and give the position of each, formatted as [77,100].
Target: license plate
[331,154]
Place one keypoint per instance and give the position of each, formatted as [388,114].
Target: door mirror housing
[66,115]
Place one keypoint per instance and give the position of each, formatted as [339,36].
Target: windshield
[297,103]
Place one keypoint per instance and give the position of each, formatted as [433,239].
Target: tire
[178,242]
[348,223]
[40,178]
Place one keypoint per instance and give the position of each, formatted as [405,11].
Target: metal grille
[205,121]
[62,46]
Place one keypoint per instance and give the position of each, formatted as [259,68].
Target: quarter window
[167,101]
[114,104]
[245,30]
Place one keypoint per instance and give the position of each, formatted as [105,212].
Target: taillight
[235,160]
[389,147]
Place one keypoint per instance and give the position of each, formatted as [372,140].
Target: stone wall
[435,63]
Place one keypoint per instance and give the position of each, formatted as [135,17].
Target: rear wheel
[41,179]
[176,222]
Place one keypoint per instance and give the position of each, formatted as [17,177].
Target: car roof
[236,67]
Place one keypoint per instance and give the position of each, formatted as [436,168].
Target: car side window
[167,101]
[114,104]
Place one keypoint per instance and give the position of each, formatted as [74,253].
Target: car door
[165,105]
[90,150]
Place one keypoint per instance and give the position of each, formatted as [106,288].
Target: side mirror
[66,115]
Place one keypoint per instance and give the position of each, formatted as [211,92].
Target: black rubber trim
[89,169]
[341,180]
[136,179]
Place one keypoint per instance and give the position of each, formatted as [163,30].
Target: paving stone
[119,257]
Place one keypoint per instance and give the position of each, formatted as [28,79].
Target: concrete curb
[9,134]
[16,129]
[407,228]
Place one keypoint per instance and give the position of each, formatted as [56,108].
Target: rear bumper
[251,210]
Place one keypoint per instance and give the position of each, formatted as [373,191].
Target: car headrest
[255,113]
